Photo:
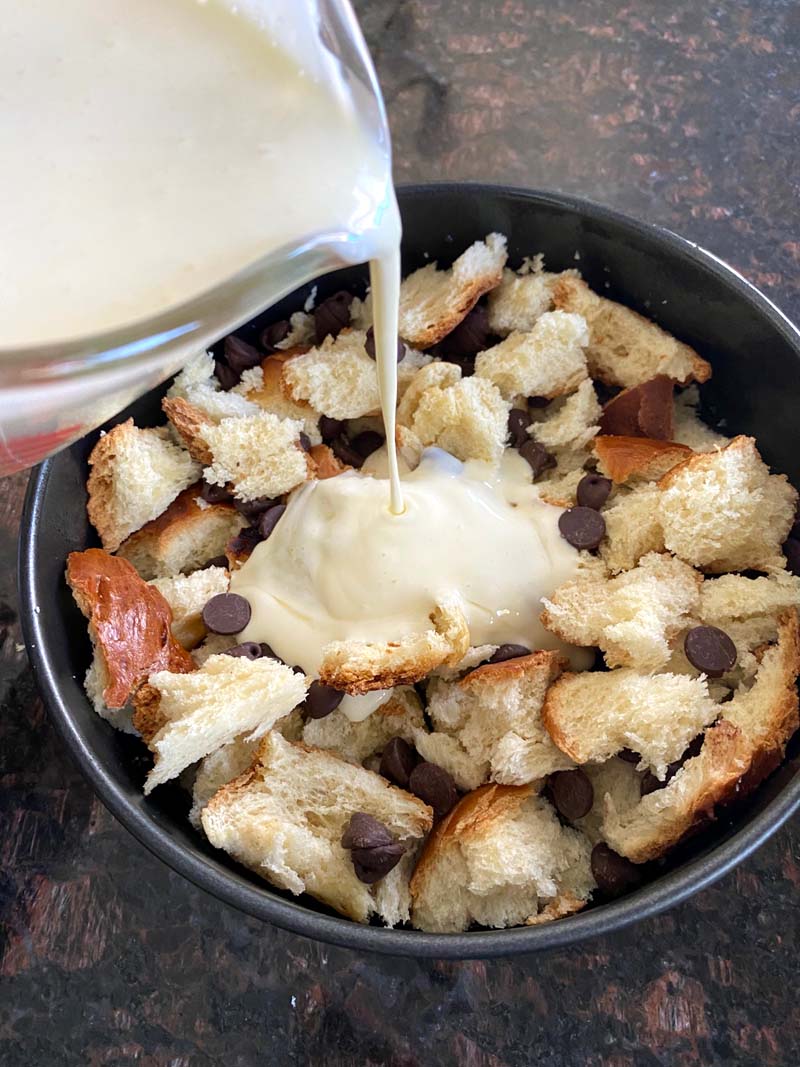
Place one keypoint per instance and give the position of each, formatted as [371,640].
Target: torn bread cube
[547,361]
[519,301]
[494,713]
[187,595]
[628,460]
[738,752]
[130,625]
[724,511]
[188,534]
[264,388]
[189,424]
[357,741]
[363,666]
[616,780]
[433,302]
[500,858]
[301,331]
[446,751]
[135,475]
[284,819]
[689,428]
[259,455]
[593,716]
[633,617]
[570,422]
[184,717]
[198,386]
[633,528]
[624,347]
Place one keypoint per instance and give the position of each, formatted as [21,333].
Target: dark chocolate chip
[244,542]
[572,793]
[433,785]
[217,561]
[269,520]
[518,422]
[369,344]
[330,429]
[593,490]
[537,457]
[305,441]
[266,650]
[791,549]
[272,335]
[343,449]
[398,760]
[241,356]
[246,650]
[321,700]
[214,494]
[505,652]
[372,864]
[612,872]
[469,337]
[367,442]
[582,527]
[226,613]
[332,315]
[365,831]
[254,509]
[710,650]
[225,375]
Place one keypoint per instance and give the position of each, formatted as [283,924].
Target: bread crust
[325,463]
[189,422]
[624,458]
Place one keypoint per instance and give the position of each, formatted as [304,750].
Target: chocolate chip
[214,494]
[518,422]
[538,401]
[266,650]
[305,441]
[269,519]
[241,356]
[226,613]
[332,315]
[369,344]
[433,785]
[572,793]
[217,561]
[645,410]
[365,831]
[398,760]
[246,650]
[582,527]
[469,337]
[244,542]
[710,650]
[537,457]
[367,442]
[343,449]
[272,335]
[612,872]
[505,652]
[226,377]
[321,700]
[330,429]
[593,490]
[629,756]
[372,864]
[254,509]
[791,549]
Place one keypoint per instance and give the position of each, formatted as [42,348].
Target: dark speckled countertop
[684,114]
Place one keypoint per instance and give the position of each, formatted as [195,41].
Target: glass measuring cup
[51,394]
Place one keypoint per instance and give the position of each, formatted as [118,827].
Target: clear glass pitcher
[52,394]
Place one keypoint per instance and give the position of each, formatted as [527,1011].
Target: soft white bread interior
[187,595]
[548,360]
[184,717]
[357,741]
[633,617]
[433,302]
[569,423]
[135,475]
[633,528]
[616,779]
[197,385]
[625,348]
[284,819]
[263,386]
[724,511]
[499,859]
[259,455]
[519,301]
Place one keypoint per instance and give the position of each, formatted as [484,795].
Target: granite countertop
[683,114]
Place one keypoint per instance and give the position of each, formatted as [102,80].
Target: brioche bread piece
[364,666]
[446,751]
[546,361]
[284,819]
[634,617]
[260,455]
[519,301]
[624,347]
[135,475]
[616,779]
[213,645]
[433,302]
[633,528]
[495,714]
[569,423]
[689,427]
[595,715]
[263,387]
[636,459]
[188,534]
[189,424]
[197,385]
[219,768]
[325,464]
[437,375]
[356,741]
[724,511]
[94,683]
[737,753]
[500,858]
[187,595]
[129,625]
[184,717]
